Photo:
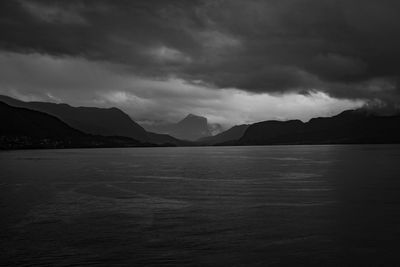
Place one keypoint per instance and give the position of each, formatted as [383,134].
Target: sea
[319,205]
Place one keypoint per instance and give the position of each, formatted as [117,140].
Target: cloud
[332,41]
[50,13]
[343,49]
[167,55]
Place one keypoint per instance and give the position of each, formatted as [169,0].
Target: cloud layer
[346,49]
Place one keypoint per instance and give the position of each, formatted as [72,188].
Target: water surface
[204,206]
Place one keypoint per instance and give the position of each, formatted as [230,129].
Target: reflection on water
[299,205]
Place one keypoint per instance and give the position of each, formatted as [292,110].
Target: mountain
[102,121]
[23,121]
[25,128]
[232,134]
[97,121]
[348,127]
[192,127]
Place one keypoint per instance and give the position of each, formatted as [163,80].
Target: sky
[232,61]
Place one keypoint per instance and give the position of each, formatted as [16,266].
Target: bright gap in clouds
[80,82]
[228,106]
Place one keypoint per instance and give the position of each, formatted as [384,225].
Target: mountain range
[349,127]
[97,121]
[25,128]
[42,124]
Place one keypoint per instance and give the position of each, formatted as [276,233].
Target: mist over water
[202,206]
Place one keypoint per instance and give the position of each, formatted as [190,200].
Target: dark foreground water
[208,206]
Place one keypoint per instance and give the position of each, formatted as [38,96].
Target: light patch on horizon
[289,106]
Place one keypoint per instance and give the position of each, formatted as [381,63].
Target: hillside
[97,121]
[24,128]
[101,121]
[348,127]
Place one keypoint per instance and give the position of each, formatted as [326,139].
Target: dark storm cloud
[347,48]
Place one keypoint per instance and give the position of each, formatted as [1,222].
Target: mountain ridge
[93,120]
[348,127]
[357,126]
[22,128]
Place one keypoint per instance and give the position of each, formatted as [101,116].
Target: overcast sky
[232,61]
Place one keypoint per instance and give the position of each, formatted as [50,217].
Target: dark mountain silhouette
[40,124]
[348,127]
[25,128]
[102,121]
[192,127]
[232,134]
[97,121]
